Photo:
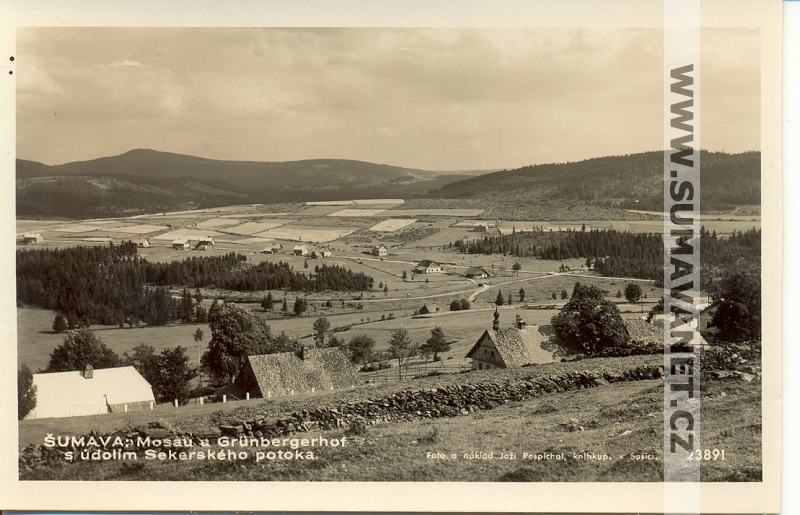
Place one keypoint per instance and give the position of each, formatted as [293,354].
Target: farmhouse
[427,309]
[180,244]
[474,272]
[509,347]
[481,227]
[142,243]
[300,250]
[379,250]
[321,254]
[272,249]
[426,266]
[280,374]
[32,237]
[90,392]
[204,244]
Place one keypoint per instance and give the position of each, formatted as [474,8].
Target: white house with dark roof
[508,347]
[90,392]
[427,266]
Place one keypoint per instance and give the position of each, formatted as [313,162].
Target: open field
[392,224]
[435,212]
[357,212]
[36,339]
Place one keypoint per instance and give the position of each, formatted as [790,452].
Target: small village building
[279,374]
[32,237]
[481,227]
[273,249]
[427,309]
[508,347]
[300,250]
[321,254]
[474,272]
[204,244]
[426,266]
[142,243]
[180,244]
[90,392]
[379,250]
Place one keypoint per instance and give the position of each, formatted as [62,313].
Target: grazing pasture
[392,224]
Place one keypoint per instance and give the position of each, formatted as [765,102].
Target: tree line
[620,253]
[113,285]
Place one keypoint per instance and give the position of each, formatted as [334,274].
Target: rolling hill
[148,180]
[627,181]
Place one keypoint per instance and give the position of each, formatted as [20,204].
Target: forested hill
[145,180]
[628,181]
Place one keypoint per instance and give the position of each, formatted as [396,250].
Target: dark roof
[426,263]
[474,270]
[285,371]
[516,347]
[645,333]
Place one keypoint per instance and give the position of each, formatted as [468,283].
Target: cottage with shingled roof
[279,374]
[509,347]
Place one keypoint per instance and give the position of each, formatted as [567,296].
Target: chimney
[88,372]
[521,323]
[496,323]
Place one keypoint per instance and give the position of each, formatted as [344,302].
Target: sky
[439,99]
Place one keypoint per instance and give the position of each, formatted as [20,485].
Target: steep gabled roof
[645,333]
[426,263]
[516,347]
[475,270]
[285,371]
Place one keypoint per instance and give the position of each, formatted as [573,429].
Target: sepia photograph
[392,254]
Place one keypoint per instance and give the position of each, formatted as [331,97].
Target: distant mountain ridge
[143,180]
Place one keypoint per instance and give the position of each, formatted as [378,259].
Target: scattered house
[475,272]
[379,250]
[321,254]
[180,244]
[32,237]
[427,309]
[142,243]
[481,227]
[300,250]
[279,374]
[426,266]
[509,347]
[204,244]
[273,249]
[90,392]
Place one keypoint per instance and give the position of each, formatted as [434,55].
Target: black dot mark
[10,72]
[11,58]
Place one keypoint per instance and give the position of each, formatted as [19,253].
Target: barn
[285,372]
[90,392]
[180,244]
[475,272]
[204,244]
[142,243]
[379,250]
[508,347]
[300,250]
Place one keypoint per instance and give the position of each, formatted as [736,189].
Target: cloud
[124,63]
[430,98]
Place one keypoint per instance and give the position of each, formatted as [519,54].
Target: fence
[411,370]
